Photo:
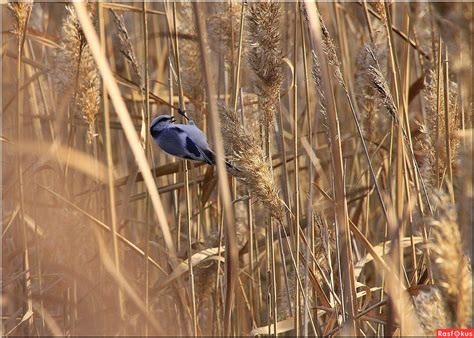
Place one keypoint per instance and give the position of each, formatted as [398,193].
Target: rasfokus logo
[455,333]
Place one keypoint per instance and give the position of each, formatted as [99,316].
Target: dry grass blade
[378,252]
[339,181]
[104,226]
[125,286]
[231,241]
[281,327]
[127,124]
[183,267]
[74,158]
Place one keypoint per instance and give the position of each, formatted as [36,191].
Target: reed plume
[126,47]
[265,56]
[21,12]
[254,168]
[223,27]
[76,69]
[434,141]
[190,57]
[432,309]
[451,267]
[373,124]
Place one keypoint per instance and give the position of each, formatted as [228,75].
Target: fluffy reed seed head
[265,56]
[378,7]
[254,168]
[21,11]
[190,57]
[330,50]
[381,85]
[373,124]
[224,29]
[76,68]
[432,309]
[431,144]
[126,46]
[451,267]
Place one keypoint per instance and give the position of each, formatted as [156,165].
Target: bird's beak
[182,113]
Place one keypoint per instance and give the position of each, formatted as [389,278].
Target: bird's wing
[198,137]
[195,134]
[176,141]
[172,142]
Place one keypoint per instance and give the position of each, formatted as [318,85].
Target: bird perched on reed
[183,140]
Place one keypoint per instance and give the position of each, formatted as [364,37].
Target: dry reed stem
[126,122]
[228,18]
[336,156]
[192,79]
[182,105]
[21,13]
[231,242]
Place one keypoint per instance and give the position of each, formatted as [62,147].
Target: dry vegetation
[351,211]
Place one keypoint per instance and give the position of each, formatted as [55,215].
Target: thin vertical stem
[447,120]
[146,121]
[28,305]
[231,240]
[439,72]
[309,207]
[186,181]
[339,181]
[296,212]
[110,175]
[239,56]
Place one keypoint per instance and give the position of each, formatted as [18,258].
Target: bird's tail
[211,159]
[232,169]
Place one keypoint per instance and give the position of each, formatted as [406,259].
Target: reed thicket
[351,208]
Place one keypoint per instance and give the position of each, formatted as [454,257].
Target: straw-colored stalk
[21,12]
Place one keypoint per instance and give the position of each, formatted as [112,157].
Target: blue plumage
[182,140]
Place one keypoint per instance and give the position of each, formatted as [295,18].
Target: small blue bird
[183,140]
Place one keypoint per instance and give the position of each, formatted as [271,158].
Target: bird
[183,140]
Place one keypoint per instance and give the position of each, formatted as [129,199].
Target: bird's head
[159,123]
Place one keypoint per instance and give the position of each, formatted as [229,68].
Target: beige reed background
[351,211]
